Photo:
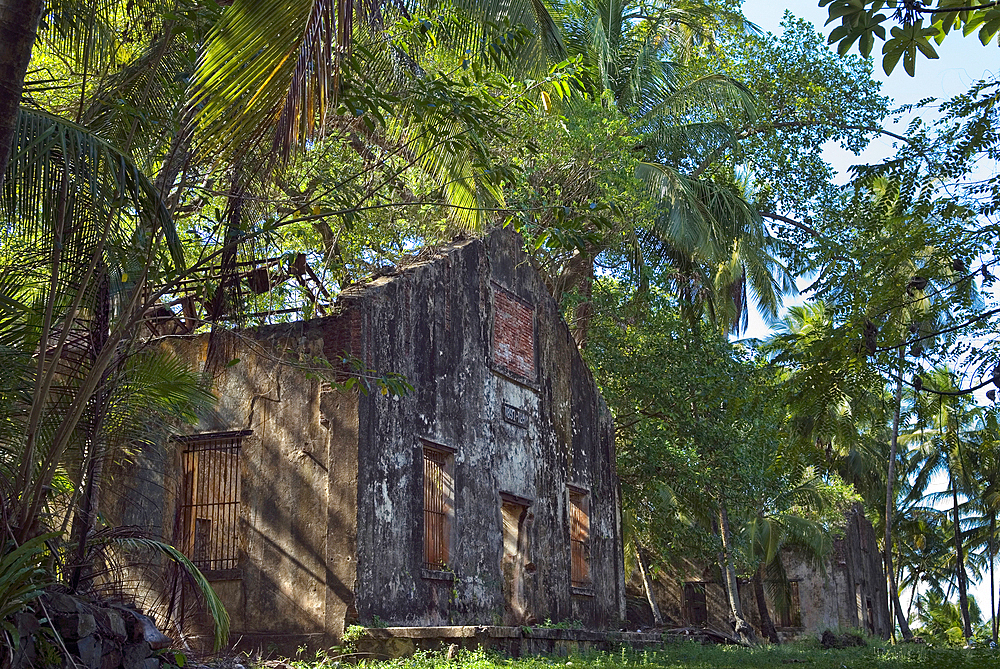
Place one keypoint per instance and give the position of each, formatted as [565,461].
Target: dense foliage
[190,166]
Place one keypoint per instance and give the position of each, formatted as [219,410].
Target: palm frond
[57,163]
[92,34]
[213,605]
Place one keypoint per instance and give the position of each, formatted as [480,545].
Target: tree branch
[944,10]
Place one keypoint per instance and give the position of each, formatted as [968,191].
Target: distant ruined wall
[846,591]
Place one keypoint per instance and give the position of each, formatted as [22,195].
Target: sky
[962,62]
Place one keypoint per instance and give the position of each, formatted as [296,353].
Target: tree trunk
[963,590]
[579,275]
[18,24]
[993,557]
[766,624]
[743,630]
[913,594]
[890,504]
[647,583]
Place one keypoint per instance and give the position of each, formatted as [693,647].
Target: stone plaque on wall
[515,416]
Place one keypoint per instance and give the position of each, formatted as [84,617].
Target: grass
[691,655]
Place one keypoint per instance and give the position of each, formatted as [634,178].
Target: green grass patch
[692,655]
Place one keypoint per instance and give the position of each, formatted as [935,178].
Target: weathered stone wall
[91,635]
[668,589]
[832,595]
[298,473]
[433,324]
[332,500]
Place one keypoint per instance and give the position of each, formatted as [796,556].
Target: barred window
[438,498]
[210,499]
[579,538]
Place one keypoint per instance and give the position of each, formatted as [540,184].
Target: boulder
[88,649]
[135,654]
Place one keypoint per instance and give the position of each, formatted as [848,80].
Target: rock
[134,654]
[142,628]
[26,624]
[112,625]
[150,663]
[111,659]
[75,625]
[88,649]
[86,625]
[846,640]
[62,603]
[156,639]
[26,655]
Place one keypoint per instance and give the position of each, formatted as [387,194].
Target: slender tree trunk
[647,583]
[83,523]
[579,275]
[963,590]
[18,24]
[743,629]
[890,505]
[993,557]
[913,594]
[766,624]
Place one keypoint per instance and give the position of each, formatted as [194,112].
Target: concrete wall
[433,324]
[298,522]
[331,518]
[832,595]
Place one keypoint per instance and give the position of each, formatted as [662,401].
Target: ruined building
[845,591]
[486,495]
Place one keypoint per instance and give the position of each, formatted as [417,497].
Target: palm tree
[776,527]
[943,622]
[87,249]
[940,438]
[633,55]
[18,22]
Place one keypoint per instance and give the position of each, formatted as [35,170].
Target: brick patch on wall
[513,334]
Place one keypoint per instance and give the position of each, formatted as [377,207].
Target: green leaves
[271,67]
[905,42]
[22,577]
[861,22]
[858,24]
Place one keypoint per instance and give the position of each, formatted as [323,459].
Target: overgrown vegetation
[190,166]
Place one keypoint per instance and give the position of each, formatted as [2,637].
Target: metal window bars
[210,499]
[437,487]
[579,535]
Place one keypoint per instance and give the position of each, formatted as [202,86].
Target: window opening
[792,616]
[695,603]
[516,561]
[860,602]
[579,537]
[210,499]
[513,515]
[438,496]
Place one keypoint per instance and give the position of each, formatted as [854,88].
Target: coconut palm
[941,440]
[87,248]
[717,243]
